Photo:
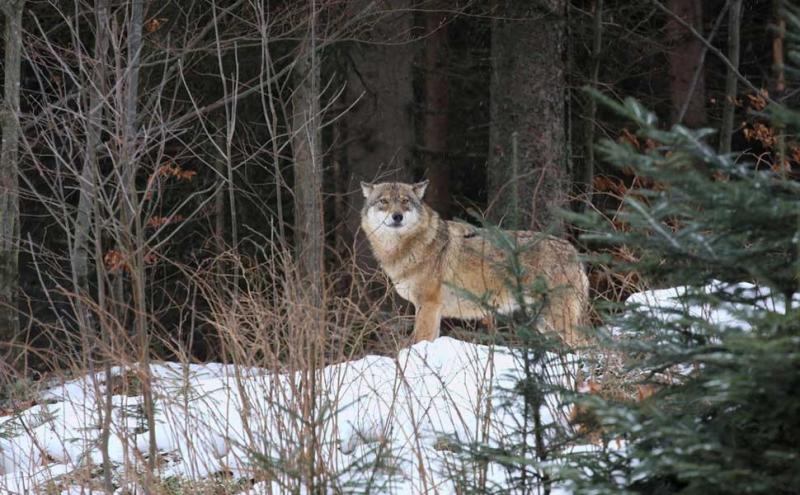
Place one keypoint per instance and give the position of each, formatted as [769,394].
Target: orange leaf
[114,260]
[650,145]
[720,176]
[158,221]
[627,137]
[795,151]
[765,135]
[781,166]
[604,183]
[758,101]
[154,24]
[186,175]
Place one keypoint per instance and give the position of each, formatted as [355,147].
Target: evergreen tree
[723,352]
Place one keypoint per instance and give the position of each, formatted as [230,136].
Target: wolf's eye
[383,202]
[404,201]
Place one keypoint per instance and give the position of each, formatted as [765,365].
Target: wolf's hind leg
[427,321]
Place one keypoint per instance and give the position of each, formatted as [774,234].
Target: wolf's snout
[397,217]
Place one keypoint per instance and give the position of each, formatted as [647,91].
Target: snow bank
[213,418]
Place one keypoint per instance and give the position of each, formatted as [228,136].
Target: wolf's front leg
[426,322]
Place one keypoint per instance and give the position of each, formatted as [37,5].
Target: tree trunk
[778,37]
[434,126]
[527,175]
[729,109]
[88,203]
[379,129]
[94,115]
[307,149]
[589,165]
[686,54]
[9,179]
[132,228]
[779,86]
[309,230]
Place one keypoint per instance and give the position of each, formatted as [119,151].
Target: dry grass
[263,321]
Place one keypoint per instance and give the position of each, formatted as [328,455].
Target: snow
[211,418]
[705,302]
[407,411]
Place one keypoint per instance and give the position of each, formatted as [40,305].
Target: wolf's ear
[419,188]
[366,188]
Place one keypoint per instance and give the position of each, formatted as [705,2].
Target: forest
[190,303]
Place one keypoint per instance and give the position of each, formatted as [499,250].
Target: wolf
[452,269]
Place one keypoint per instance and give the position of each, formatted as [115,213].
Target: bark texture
[731,78]
[437,99]
[307,148]
[688,95]
[9,170]
[589,165]
[379,128]
[527,174]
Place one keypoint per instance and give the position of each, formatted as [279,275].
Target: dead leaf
[758,101]
[114,260]
[627,137]
[154,24]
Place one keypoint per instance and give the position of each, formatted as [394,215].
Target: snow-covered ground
[406,412]
[212,418]
[666,304]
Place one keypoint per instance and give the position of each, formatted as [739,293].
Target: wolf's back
[486,265]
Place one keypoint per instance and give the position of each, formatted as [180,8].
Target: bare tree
[133,235]
[88,202]
[308,224]
[307,150]
[97,166]
[9,170]
[94,82]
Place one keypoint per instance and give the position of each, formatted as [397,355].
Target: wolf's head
[392,207]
